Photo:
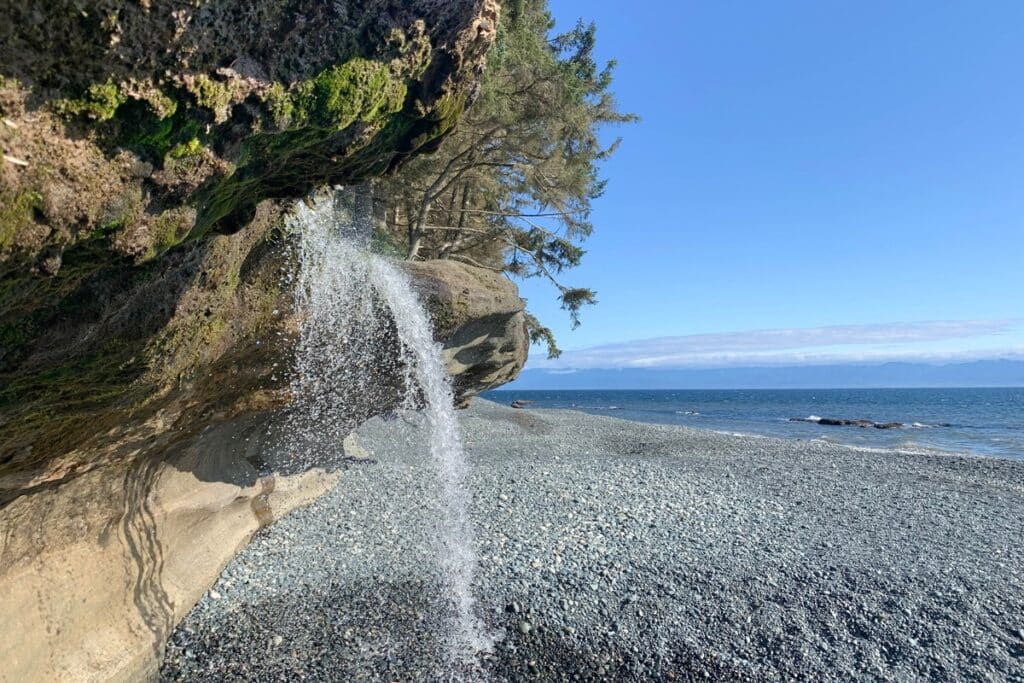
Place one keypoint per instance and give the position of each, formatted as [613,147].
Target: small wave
[908,448]
[687,412]
[812,418]
[745,435]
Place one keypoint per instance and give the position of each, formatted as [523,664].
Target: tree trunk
[416,232]
[455,238]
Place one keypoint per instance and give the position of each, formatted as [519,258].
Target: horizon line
[506,387]
[1014,357]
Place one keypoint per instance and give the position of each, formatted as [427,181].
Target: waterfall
[366,339]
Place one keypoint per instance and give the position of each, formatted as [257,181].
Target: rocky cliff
[148,150]
[151,151]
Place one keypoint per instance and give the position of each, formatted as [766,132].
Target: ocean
[987,422]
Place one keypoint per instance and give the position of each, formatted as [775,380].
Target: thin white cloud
[814,345]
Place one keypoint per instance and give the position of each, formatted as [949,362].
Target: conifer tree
[511,188]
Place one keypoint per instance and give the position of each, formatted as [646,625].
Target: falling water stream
[364,335]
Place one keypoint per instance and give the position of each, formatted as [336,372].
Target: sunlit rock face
[479,315]
[153,152]
[95,573]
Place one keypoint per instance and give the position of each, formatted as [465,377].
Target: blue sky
[806,166]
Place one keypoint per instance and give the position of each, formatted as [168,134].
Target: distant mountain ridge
[981,373]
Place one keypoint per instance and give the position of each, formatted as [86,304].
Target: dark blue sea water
[979,421]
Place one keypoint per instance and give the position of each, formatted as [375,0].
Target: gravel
[612,550]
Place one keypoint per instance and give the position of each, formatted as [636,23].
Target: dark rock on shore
[838,422]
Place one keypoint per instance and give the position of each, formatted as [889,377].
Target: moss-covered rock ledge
[148,148]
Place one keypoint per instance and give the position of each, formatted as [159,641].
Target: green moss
[100,102]
[191,148]
[294,160]
[14,336]
[231,201]
[442,119]
[154,137]
[70,402]
[90,381]
[169,229]
[163,105]
[213,95]
[279,103]
[358,90]
[65,395]
[112,226]
[15,214]
[32,304]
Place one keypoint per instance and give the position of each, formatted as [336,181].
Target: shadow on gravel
[333,632]
[545,655]
[394,631]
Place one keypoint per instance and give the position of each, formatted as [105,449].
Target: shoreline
[973,422]
[610,549]
[822,440]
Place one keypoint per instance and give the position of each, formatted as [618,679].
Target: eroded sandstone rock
[151,150]
[96,572]
[479,315]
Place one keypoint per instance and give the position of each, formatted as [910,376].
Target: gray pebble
[642,559]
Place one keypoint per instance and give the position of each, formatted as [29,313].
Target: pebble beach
[621,551]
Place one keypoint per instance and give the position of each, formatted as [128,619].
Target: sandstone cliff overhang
[219,104]
[150,151]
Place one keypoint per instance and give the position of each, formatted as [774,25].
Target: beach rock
[736,556]
[481,318]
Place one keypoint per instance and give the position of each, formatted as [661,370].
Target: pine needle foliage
[511,189]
